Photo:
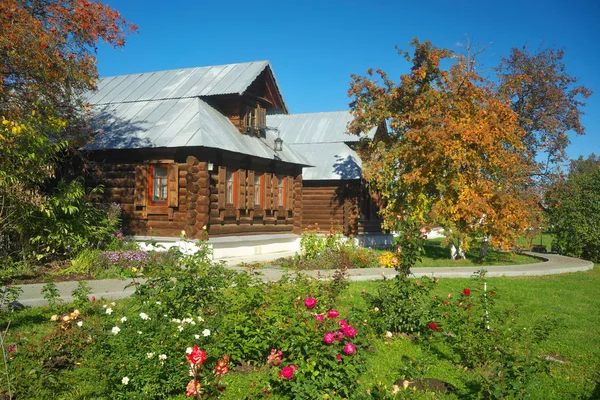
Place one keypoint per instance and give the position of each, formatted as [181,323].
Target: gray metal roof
[178,83]
[323,127]
[332,161]
[178,122]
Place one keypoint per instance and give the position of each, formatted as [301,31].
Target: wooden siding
[337,205]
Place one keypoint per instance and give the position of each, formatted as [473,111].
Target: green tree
[453,155]
[573,208]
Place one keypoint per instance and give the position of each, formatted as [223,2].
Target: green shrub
[402,305]
[67,222]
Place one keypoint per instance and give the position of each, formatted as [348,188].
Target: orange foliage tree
[47,54]
[453,154]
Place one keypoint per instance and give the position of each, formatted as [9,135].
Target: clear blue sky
[314,46]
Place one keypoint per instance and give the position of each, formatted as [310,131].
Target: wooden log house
[215,149]
[188,150]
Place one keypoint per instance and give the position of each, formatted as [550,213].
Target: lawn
[438,256]
[57,362]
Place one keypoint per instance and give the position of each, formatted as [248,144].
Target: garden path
[117,289]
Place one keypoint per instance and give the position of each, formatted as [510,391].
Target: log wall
[337,205]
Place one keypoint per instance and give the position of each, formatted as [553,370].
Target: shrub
[320,354]
[388,260]
[67,222]
[402,305]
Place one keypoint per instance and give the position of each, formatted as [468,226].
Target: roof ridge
[311,113]
[187,68]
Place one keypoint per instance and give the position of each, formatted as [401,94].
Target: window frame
[234,189]
[259,190]
[281,191]
[151,181]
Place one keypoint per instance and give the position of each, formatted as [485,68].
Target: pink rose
[332,314]
[338,335]
[93,298]
[343,323]
[339,357]
[310,302]
[319,317]
[288,372]
[349,348]
[349,331]
[328,338]
[275,357]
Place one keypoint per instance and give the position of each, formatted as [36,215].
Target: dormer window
[255,119]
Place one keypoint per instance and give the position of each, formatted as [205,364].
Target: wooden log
[118,183]
[155,224]
[117,167]
[216,230]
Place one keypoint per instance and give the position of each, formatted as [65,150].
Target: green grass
[437,256]
[544,239]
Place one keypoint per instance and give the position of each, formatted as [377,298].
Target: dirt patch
[49,272]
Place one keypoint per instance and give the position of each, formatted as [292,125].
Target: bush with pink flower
[322,353]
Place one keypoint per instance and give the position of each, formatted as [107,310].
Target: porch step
[233,247]
[253,245]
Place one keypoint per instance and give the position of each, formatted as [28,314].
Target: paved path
[117,289]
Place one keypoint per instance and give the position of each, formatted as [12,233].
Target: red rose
[222,366]
[339,357]
[433,326]
[310,302]
[343,323]
[492,292]
[349,348]
[197,356]
[466,292]
[288,372]
[349,331]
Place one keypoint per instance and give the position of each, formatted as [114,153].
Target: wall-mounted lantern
[278,144]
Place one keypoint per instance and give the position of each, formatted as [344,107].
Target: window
[229,186]
[257,190]
[255,118]
[158,184]
[280,192]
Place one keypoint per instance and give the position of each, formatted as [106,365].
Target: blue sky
[314,46]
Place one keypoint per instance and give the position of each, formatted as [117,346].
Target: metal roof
[332,161]
[323,127]
[178,83]
[179,122]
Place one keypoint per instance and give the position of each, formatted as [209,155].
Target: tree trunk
[484,247]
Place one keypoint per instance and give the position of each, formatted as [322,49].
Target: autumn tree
[547,100]
[47,61]
[453,154]
[573,208]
